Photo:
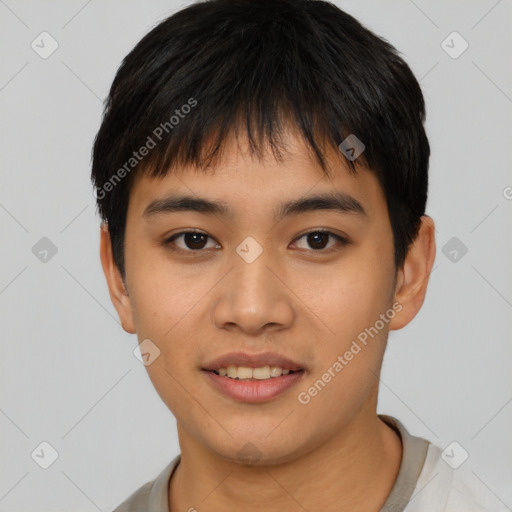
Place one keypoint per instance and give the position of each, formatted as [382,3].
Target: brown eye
[319,240]
[195,240]
[190,241]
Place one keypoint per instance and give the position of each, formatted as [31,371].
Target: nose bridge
[251,276]
[251,296]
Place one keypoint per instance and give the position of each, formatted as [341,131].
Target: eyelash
[169,242]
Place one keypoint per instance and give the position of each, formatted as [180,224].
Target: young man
[262,174]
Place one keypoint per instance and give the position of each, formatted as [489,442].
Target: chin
[259,450]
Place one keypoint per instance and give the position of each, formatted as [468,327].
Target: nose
[252,298]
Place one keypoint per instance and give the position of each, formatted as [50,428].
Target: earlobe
[116,286]
[412,279]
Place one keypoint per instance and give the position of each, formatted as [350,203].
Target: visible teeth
[261,373]
[245,372]
[275,371]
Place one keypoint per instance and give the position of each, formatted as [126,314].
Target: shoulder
[138,500]
[441,488]
[153,495]
[469,493]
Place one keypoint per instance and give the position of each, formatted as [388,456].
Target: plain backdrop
[68,373]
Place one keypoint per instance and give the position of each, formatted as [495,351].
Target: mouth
[248,373]
[257,363]
[253,378]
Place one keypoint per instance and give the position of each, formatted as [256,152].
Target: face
[303,283]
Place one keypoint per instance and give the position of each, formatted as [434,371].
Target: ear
[116,286]
[413,277]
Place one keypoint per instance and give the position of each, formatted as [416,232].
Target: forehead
[240,180]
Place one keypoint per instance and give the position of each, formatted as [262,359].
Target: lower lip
[254,391]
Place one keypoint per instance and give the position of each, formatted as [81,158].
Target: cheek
[349,349]
[349,297]
[168,308]
[160,296]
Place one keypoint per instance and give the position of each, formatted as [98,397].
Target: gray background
[68,373]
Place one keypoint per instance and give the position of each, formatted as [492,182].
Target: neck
[352,471]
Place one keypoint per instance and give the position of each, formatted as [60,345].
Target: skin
[332,454]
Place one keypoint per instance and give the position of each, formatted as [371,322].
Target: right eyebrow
[187,203]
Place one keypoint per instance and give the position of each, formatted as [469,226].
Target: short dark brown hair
[222,66]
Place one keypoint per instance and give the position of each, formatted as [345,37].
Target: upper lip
[252,361]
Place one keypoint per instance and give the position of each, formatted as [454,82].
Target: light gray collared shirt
[153,496]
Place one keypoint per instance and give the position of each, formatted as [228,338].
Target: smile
[248,373]
[256,388]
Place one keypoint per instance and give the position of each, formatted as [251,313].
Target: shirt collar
[414,452]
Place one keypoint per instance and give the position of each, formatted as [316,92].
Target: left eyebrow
[337,201]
